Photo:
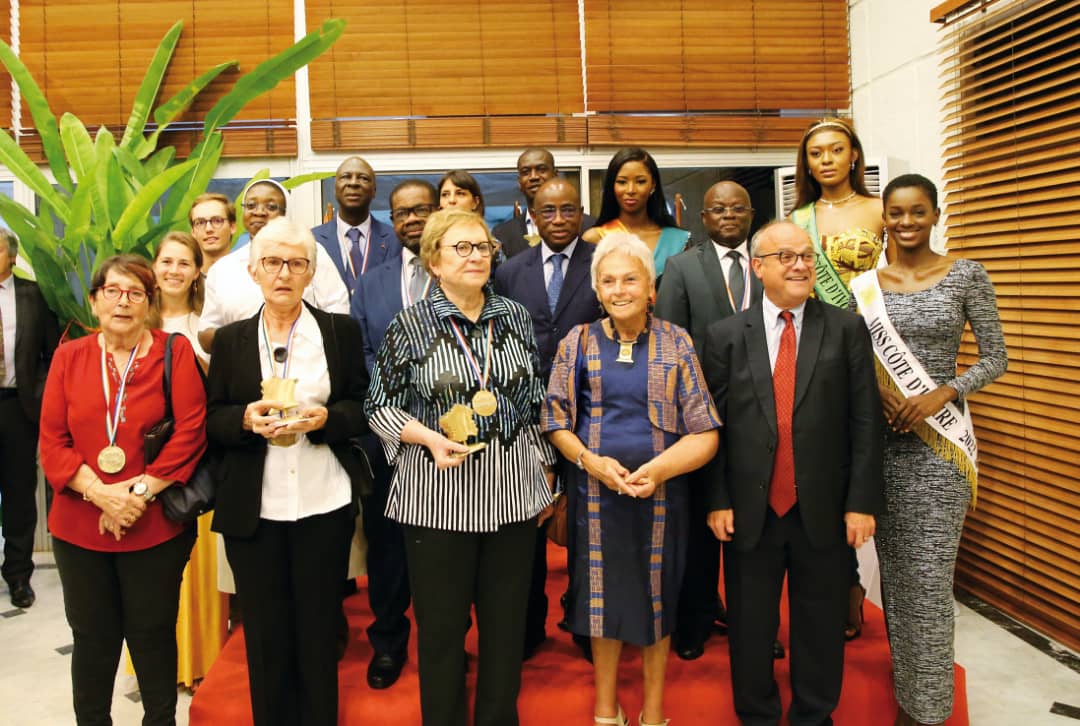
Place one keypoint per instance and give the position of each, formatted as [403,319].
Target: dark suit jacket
[235,373]
[36,336]
[511,233]
[838,427]
[375,302]
[694,293]
[383,245]
[521,278]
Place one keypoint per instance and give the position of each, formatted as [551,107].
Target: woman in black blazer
[286,390]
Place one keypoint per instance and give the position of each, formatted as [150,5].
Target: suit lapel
[249,353]
[710,264]
[757,355]
[576,272]
[330,244]
[813,329]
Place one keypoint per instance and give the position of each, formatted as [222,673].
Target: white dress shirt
[774,326]
[232,295]
[7,314]
[346,244]
[545,255]
[725,265]
[303,479]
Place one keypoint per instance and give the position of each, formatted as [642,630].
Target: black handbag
[180,503]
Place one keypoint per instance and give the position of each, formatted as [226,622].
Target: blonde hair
[627,244]
[441,222]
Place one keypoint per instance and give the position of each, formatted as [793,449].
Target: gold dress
[852,252]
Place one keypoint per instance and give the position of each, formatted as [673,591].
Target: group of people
[440,385]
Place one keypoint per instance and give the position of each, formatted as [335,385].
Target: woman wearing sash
[844,223]
[916,309]
[455,398]
[120,559]
[633,201]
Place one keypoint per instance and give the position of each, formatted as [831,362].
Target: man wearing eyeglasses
[213,224]
[355,241]
[380,294]
[708,282]
[552,281]
[797,478]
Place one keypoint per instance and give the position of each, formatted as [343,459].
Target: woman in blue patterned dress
[626,403]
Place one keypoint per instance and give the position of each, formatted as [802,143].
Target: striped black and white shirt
[420,373]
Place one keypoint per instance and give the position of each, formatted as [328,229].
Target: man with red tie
[797,479]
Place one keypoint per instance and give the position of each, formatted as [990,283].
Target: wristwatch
[140,489]
[579,461]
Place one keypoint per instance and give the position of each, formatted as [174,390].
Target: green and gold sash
[829,286]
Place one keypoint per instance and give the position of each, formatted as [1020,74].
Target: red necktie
[782,486]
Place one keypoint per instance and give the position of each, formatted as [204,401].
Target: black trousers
[449,572]
[110,597]
[18,485]
[388,572]
[699,601]
[818,582]
[288,576]
[537,609]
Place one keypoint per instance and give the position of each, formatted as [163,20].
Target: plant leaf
[146,198]
[137,174]
[104,144]
[150,86]
[295,181]
[169,111]
[195,182]
[159,161]
[16,160]
[77,145]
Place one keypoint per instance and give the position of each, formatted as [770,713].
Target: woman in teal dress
[626,403]
[633,201]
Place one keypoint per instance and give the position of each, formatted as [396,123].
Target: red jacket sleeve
[59,459]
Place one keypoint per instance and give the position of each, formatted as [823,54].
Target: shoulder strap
[166,377]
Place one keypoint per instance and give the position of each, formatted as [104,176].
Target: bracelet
[580,458]
[86,492]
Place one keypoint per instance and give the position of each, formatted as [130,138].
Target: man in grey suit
[28,337]
[708,282]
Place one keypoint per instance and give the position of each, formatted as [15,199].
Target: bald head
[726,214]
[354,188]
[787,285]
[557,210]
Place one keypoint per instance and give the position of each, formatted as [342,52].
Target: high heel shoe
[617,720]
[856,598]
[641,721]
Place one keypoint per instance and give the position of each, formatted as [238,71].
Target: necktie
[356,254]
[417,280]
[782,495]
[736,280]
[555,283]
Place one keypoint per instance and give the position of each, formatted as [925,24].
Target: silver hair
[627,244]
[751,249]
[282,229]
[12,241]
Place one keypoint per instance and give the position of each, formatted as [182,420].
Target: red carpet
[557,683]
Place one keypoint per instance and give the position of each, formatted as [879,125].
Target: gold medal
[485,403]
[111,459]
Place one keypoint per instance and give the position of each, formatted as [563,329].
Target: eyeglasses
[420,210]
[112,293]
[464,248]
[566,211]
[270,207]
[736,209]
[787,257]
[273,265]
[214,222]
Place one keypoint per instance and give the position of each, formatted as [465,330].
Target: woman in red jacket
[120,560]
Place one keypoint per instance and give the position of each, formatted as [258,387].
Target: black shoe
[778,652]
[585,645]
[531,646]
[22,595]
[690,649]
[383,670]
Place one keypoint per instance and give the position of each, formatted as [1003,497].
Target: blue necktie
[555,283]
[355,253]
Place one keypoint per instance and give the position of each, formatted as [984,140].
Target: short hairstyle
[464,180]
[12,241]
[195,292]
[627,244]
[905,181]
[756,240]
[282,229]
[230,208]
[441,222]
[806,186]
[269,182]
[132,265]
[548,156]
[419,184]
[655,206]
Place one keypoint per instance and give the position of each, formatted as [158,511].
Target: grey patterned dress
[918,536]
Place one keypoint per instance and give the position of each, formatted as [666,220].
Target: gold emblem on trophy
[283,390]
[459,424]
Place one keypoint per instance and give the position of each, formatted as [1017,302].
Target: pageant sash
[829,287]
[949,432]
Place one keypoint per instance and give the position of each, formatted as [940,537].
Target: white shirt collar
[546,252]
[772,312]
[343,227]
[722,251]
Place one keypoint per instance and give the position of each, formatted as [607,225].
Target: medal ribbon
[481,379]
[112,407]
[288,346]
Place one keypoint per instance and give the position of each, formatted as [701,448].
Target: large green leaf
[295,181]
[159,161]
[82,207]
[24,224]
[270,72]
[148,196]
[169,111]
[150,86]
[136,172]
[78,145]
[104,145]
[196,181]
[19,164]
[44,120]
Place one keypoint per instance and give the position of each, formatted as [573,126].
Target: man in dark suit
[28,337]
[552,281]
[384,291]
[355,240]
[708,282]
[517,234]
[797,479]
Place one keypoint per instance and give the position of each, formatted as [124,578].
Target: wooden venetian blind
[425,74]
[729,70]
[1012,140]
[5,77]
[90,56]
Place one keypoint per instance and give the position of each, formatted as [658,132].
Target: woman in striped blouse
[455,396]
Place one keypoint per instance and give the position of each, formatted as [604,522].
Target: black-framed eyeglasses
[273,265]
[420,210]
[270,207]
[465,248]
[113,293]
[736,209]
[787,257]
[214,222]
[566,211]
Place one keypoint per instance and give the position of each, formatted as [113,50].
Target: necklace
[830,203]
